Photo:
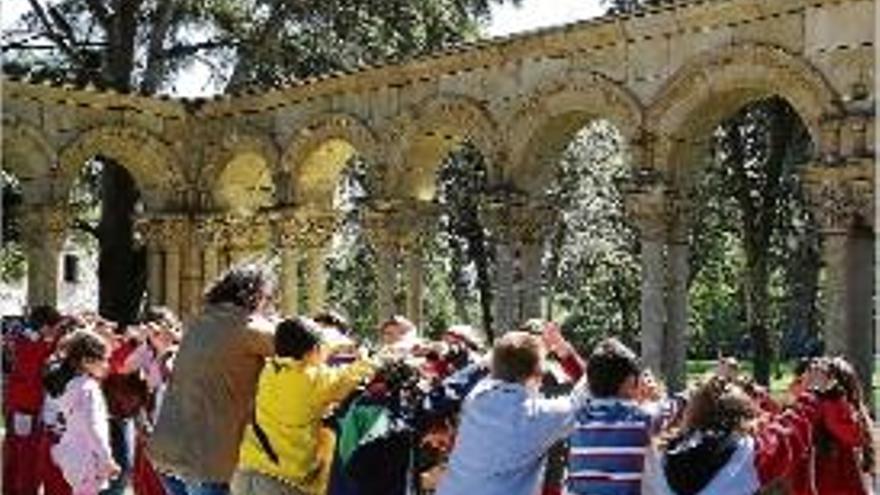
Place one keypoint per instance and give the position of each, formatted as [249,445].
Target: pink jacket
[83,452]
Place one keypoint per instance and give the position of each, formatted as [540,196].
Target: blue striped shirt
[609,444]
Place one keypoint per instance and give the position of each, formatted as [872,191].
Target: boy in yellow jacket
[285,450]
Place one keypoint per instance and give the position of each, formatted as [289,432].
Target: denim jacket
[503,438]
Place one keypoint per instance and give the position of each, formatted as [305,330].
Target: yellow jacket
[292,397]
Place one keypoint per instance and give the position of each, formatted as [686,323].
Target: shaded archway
[138,173]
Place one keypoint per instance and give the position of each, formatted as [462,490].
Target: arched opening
[582,256]
[245,185]
[754,264]
[78,286]
[458,256]
[331,182]
[13,259]
[103,200]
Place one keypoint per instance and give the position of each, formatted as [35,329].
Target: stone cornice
[592,35]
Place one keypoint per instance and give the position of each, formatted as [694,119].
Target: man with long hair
[211,392]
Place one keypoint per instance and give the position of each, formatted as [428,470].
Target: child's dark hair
[719,404]
[802,365]
[82,346]
[75,350]
[609,366]
[332,318]
[243,286]
[161,315]
[44,315]
[516,356]
[296,337]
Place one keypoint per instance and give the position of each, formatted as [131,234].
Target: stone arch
[319,150]
[421,136]
[29,156]
[546,120]
[240,171]
[719,82]
[150,161]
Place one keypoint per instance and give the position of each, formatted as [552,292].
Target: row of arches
[518,140]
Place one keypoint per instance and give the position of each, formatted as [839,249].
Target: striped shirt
[609,444]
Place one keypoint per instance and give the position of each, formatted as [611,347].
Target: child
[285,450]
[842,452]
[151,358]
[27,351]
[721,449]
[613,432]
[83,452]
[507,427]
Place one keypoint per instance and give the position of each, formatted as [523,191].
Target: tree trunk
[459,283]
[757,310]
[121,264]
[484,284]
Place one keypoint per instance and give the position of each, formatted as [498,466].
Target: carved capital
[847,138]
[44,227]
[841,197]
[658,208]
[400,225]
[305,226]
[166,231]
[246,233]
[520,222]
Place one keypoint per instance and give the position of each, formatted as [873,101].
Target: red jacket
[23,391]
[834,470]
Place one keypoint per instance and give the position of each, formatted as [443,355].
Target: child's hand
[554,340]
[112,470]
[727,367]
[650,389]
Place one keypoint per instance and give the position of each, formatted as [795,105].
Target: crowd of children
[247,403]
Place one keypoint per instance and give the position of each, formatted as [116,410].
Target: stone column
[842,200]
[646,207]
[533,222]
[414,284]
[834,259]
[289,280]
[154,272]
[675,335]
[151,231]
[497,215]
[316,294]
[43,232]
[386,281]
[318,229]
[532,288]
[860,301]
[211,263]
[191,278]
[172,276]
[504,310]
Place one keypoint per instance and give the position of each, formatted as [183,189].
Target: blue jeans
[122,435]
[178,486]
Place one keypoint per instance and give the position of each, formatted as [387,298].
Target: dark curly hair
[719,404]
[244,286]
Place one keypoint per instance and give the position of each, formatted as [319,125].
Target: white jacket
[83,453]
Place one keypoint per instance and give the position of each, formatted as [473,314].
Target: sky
[506,19]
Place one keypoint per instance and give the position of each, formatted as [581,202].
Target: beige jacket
[211,394]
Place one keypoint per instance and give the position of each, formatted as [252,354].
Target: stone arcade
[225,177]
